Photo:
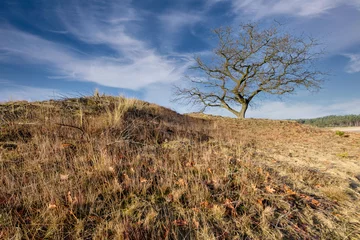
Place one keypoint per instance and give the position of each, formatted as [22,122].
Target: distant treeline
[333,121]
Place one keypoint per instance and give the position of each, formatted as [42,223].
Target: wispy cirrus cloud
[175,20]
[304,8]
[133,65]
[130,71]
[97,22]
[332,22]
[354,63]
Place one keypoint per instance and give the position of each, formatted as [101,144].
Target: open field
[115,168]
[347,129]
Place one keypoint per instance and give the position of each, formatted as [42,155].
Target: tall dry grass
[126,169]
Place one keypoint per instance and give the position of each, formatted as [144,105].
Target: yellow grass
[115,168]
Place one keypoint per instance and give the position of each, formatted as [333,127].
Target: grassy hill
[115,168]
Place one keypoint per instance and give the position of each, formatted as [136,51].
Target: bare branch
[252,61]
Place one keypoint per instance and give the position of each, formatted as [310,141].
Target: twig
[71,126]
[78,128]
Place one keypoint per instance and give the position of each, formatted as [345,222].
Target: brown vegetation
[115,168]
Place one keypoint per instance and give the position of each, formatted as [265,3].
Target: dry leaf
[288,190]
[196,224]
[190,164]
[65,145]
[170,198]
[206,204]
[143,180]
[181,182]
[195,209]
[337,214]
[314,202]
[68,145]
[310,200]
[297,228]
[180,222]
[69,198]
[307,198]
[228,202]
[52,206]
[126,177]
[267,176]
[64,177]
[269,189]
[230,208]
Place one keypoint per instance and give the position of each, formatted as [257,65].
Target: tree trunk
[244,107]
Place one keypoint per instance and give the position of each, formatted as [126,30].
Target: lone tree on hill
[252,61]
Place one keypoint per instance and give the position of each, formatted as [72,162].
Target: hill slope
[114,168]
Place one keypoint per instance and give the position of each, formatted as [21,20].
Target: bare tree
[249,62]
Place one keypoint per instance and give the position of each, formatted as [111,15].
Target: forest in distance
[333,121]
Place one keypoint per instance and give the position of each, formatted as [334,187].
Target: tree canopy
[333,121]
[249,61]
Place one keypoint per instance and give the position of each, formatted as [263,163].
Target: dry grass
[115,168]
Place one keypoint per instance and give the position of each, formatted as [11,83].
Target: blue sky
[50,49]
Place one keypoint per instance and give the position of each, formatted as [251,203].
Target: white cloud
[335,26]
[14,43]
[97,22]
[283,110]
[132,71]
[174,21]
[133,65]
[262,8]
[354,64]
[210,3]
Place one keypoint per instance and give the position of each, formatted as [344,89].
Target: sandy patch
[347,129]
